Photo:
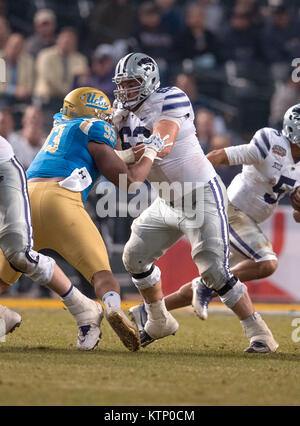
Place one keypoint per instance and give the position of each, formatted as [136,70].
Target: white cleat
[161,327]
[263,345]
[202,295]
[11,318]
[89,333]
[139,316]
[124,328]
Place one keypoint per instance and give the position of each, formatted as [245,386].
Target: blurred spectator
[44,31]
[28,141]
[154,39]
[241,40]
[102,71]
[208,125]
[170,15]
[19,72]
[4,32]
[285,96]
[197,43]
[188,83]
[7,124]
[57,68]
[214,14]
[3,8]
[280,41]
[112,20]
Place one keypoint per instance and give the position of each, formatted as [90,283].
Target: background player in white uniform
[146,109]
[269,173]
[16,242]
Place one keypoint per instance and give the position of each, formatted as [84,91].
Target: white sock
[111,298]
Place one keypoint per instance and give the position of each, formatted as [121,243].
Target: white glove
[154,144]
[118,115]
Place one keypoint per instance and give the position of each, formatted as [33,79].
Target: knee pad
[34,265]
[147,279]
[232,291]
[133,263]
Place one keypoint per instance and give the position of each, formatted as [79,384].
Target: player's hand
[295,199]
[118,115]
[156,143]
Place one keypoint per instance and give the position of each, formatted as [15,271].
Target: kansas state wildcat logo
[147,64]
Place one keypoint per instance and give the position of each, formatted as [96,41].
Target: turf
[203,364]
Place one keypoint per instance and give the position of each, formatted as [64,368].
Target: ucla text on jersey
[66,148]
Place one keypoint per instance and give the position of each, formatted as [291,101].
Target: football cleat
[11,318]
[89,334]
[124,328]
[161,326]
[258,347]
[202,295]
[139,315]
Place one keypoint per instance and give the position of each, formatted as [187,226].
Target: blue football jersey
[66,148]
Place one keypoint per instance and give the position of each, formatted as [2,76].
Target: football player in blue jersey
[78,150]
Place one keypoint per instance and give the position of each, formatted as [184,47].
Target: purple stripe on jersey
[27,209]
[174,106]
[239,250]
[175,95]
[226,226]
[262,152]
[265,139]
[243,244]
[223,229]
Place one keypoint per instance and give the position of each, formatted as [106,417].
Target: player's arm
[254,152]
[296,215]
[164,128]
[111,166]
[295,202]
[218,157]
[130,155]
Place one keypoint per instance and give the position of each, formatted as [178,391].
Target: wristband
[150,153]
[127,155]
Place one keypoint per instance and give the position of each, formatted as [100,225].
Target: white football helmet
[291,124]
[140,68]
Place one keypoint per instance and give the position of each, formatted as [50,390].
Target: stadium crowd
[233,58]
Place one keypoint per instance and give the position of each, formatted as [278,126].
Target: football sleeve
[99,131]
[254,152]
[176,106]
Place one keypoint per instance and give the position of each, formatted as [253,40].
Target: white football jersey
[269,172]
[6,151]
[186,162]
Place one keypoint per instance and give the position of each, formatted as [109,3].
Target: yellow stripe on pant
[61,223]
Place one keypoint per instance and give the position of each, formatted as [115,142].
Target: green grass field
[203,364]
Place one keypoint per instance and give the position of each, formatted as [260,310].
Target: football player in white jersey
[145,109]
[269,173]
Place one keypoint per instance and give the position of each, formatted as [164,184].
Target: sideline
[214,307]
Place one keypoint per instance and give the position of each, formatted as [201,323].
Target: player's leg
[210,251]
[251,258]
[12,319]
[70,231]
[150,237]
[252,253]
[16,240]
